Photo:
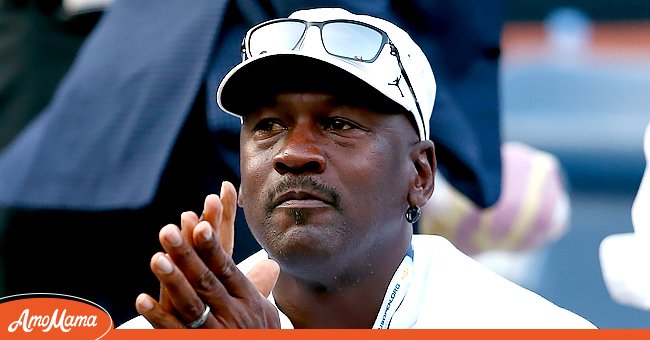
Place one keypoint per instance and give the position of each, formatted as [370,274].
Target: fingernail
[174,237]
[184,218]
[210,197]
[205,232]
[163,265]
[205,203]
[144,302]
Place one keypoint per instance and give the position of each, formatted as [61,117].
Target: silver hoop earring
[413,214]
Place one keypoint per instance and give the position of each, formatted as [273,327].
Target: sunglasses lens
[278,36]
[352,41]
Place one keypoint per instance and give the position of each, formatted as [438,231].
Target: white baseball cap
[346,42]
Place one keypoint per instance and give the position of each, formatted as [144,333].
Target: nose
[300,154]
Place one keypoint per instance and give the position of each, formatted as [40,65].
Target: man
[335,163]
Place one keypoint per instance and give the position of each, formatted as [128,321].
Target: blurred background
[575,82]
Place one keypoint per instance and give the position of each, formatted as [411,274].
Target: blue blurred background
[575,82]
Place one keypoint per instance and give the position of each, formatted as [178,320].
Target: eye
[338,124]
[268,127]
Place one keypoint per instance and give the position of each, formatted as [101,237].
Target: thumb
[264,275]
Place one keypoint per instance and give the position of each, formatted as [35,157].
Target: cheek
[376,180]
[253,171]
[382,166]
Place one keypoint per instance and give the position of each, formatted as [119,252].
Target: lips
[301,192]
[301,198]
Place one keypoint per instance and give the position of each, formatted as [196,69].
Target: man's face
[324,183]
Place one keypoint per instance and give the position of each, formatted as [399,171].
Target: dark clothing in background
[36,49]
[133,136]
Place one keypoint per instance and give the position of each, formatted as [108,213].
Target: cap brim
[248,85]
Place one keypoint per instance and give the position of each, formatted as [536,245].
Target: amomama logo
[38,315]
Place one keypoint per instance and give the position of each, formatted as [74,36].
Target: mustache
[301,183]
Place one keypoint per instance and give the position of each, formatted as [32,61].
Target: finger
[263,276]
[188,221]
[155,313]
[227,227]
[195,274]
[212,211]
[180,250]
[164,301]
[185,300]
[185,257]
[221,264]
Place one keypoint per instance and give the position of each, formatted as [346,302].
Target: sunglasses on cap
[347,39]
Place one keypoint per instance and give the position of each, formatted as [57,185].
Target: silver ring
[201,320]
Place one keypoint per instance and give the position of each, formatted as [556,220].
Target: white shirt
[624,257]
[448,289]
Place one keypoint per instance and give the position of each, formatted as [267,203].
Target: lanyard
[396,291]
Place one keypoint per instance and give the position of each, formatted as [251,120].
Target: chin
[305,245]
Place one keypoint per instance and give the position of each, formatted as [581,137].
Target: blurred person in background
[38,42]
[134,116]
[574,82]
[532,210]
[624,257]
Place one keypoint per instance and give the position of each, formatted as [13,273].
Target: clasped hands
[197,271]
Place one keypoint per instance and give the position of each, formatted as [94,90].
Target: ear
[423,156]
